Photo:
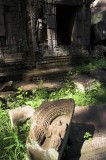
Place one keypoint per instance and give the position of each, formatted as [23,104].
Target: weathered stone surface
[83,82]
[98,52]
[91,120]
[7,93]
[98,5]
[95,143]
[98,154]
[35,152]
[98,18]
[49,130]
[72,2]
[99,31]
[20,115]
[99,74]
[18,36]
[6,86]
[12,26]
[85,115]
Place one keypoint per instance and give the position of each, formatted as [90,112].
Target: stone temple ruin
[38,32]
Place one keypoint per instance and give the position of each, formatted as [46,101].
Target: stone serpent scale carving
[44,116]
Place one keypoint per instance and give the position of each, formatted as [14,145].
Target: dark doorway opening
[65,23]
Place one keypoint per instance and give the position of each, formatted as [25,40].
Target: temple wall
[12,26]
[19,48]
[18,24]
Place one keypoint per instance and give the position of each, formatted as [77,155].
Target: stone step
[14,66]
[46,74]
[11,75]
[23,69]
[53,61]
[33,75]
[63,60]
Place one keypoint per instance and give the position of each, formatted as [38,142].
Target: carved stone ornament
[49,130]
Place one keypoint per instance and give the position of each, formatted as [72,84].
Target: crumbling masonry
[65,26]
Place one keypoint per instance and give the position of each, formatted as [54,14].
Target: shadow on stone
[76,140]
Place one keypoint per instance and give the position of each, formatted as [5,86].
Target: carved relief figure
[40,30]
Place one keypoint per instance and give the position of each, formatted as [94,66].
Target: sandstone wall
[12,26]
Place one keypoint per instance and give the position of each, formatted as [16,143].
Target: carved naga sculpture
[49,130]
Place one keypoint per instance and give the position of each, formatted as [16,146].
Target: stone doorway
[65,23]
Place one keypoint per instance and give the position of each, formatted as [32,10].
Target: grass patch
[12,141]
[86,68]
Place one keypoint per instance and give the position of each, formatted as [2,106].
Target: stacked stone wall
[12,26]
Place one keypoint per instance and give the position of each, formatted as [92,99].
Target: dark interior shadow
[76,139]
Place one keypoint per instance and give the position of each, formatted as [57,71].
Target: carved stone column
[33,18]
[51,27]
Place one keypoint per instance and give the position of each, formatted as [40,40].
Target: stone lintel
[72,2]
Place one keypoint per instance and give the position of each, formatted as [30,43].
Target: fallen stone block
[49,130]
[83,82]
[20,114]
[99,74]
